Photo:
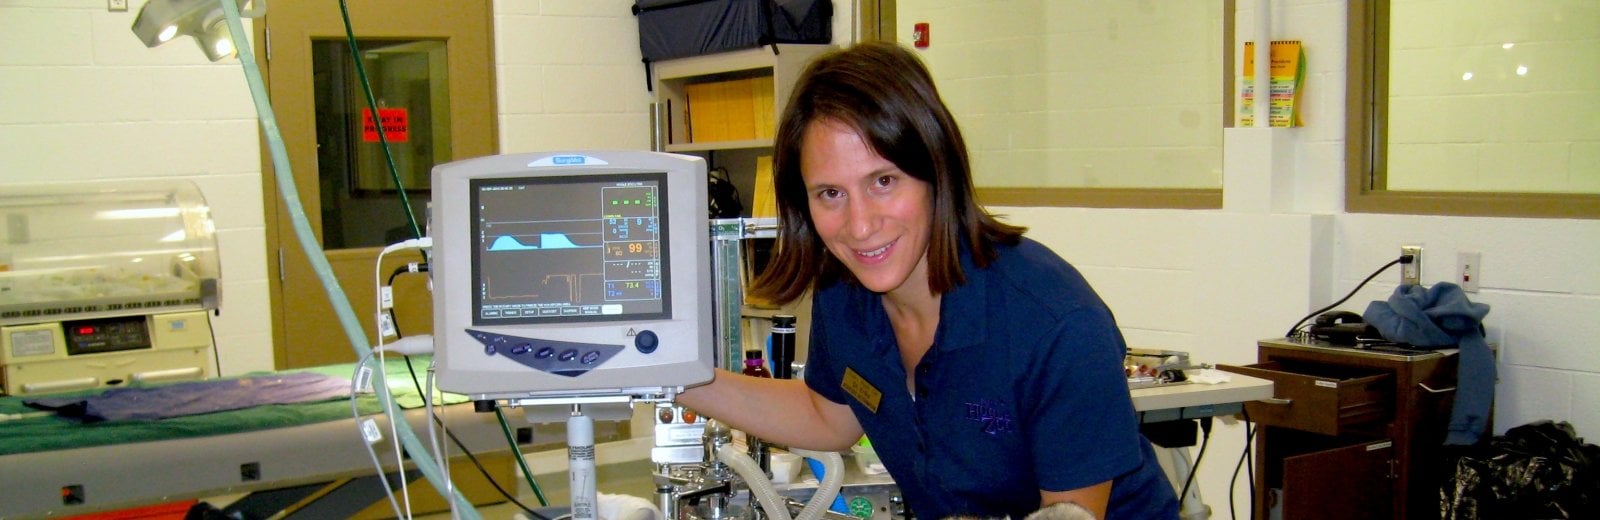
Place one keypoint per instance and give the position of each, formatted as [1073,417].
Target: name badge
[859,388]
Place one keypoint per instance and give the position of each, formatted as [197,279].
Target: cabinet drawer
[1319,398]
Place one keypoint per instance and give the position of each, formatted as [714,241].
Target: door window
[410,82]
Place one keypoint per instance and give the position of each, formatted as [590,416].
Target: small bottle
[754,365]
[782,345]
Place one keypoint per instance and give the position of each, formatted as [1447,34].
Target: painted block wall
[1213,282]
[81,100]
[1081,93]
[555,94]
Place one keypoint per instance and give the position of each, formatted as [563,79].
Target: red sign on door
[396,125]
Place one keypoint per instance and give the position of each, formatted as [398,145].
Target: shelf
[746,144]
[749,311]
[788,55]
[744,93]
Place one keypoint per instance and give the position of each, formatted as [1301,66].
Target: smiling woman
[926,308]
[870,215]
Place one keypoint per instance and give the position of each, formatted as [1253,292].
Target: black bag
[723,196]
[1537,470]
[680,28]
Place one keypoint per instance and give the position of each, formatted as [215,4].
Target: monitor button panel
[566,358]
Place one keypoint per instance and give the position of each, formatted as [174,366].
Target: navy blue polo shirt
[1022,390]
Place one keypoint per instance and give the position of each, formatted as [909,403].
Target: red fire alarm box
[919,35]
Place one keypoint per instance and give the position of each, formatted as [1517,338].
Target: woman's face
[873,217]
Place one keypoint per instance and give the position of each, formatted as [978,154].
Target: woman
[984,369]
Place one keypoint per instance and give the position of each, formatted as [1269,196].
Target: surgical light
[160,21]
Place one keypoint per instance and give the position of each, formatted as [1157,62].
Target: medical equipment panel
[105,283]
[571,275]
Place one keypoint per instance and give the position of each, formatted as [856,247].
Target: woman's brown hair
[885,93]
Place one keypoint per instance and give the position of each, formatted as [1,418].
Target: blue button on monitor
[563,358]
[646,341]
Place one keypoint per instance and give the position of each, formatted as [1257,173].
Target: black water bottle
[782,346]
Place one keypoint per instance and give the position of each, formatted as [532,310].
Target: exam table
[307,457]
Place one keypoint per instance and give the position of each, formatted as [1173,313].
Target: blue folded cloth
[198,397]
[1441,316]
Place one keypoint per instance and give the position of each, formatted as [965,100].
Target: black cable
[1249,435]
[1250,461]
[1205,440]
[394,320]
[413,267]
[1294,331]
[527,473]
[416,382]
[216,358]
[486,476]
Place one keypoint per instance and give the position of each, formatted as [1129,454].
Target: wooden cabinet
[1349,433]
[731,101]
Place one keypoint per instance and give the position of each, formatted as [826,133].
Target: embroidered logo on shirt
[860,389]
[993,416]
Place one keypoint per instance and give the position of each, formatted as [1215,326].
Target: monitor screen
[571,248]
[572,275]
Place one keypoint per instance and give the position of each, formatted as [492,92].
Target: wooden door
[1349,482]
[430,65]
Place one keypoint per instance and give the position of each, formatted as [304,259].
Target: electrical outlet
[117,6]
[1411,274]
[1468,270]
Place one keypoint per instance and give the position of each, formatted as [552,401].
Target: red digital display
[85,330]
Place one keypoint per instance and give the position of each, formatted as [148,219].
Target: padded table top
[48,433]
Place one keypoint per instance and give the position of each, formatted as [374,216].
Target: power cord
[1249,441]
[1205,440]
[1295,330]
[422,267]
[412,267]
[369,432]
[527,473]
[383,304]
[475,462]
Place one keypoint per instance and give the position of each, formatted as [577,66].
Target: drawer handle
[1278,401]
[1432,391]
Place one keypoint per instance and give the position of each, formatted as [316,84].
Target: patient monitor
[571,277]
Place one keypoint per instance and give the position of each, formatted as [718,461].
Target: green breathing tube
[319,263]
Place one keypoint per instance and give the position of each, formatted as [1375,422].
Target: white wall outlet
[1469,267]
[117,6]
[1411,274]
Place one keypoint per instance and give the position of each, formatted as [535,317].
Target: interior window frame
[1132,198]
[1366,136]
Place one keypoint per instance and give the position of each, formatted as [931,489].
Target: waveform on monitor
[547,241]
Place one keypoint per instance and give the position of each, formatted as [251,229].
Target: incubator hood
[105,249]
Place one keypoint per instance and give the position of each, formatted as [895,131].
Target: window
[1491,110]
[1101,104]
